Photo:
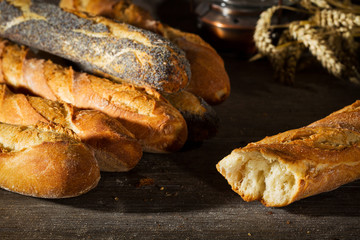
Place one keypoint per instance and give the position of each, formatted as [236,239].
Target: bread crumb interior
[259,177]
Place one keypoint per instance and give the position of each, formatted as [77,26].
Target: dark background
[189,198]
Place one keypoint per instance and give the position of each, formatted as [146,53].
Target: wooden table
[189,198]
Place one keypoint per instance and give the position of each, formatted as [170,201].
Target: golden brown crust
[209,79]
[92,6]
[15,109]
[115,147]
[347,118]
[157,125]
[321,156]
[39,162]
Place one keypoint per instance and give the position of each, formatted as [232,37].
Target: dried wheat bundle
[328,34]
[282,57]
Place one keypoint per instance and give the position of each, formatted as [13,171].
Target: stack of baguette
[132,91]
[209,78]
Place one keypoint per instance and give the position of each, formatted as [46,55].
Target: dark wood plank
[189,199]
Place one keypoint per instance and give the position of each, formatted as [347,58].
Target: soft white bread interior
[284,168]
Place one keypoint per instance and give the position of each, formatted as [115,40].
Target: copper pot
[229,24]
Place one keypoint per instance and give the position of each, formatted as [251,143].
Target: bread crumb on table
[145,182]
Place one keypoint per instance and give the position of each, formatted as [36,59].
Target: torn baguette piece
[45,161]
[116,149]
[102,46]
[299,163]
[209,78]
[155,123]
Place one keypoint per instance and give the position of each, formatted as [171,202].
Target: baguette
[209,78]
[102,46]
[45,161]
[346,118]
[114,146]
[201,119]
[284,168]
[155,123]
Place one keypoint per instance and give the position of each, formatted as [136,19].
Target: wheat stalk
[336,18]
[291,56]
[292,51]
[313,5]
[311,38]
[329,34]
[338,22]
[320,3]
[337,42]
[349,43]
[263,40]
[262,37]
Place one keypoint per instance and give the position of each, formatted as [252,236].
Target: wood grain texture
[189,198]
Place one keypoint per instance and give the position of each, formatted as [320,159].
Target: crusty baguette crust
[321,157]
[104,6]
[201,119]
[115,147]
[102,46]
[209,78]
[347,118]
[157,125]
[39,161]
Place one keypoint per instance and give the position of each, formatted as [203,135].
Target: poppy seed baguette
[209,78]
[102,46]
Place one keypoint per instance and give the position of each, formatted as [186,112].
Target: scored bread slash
[112,49]
[155,123]
[115,148]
